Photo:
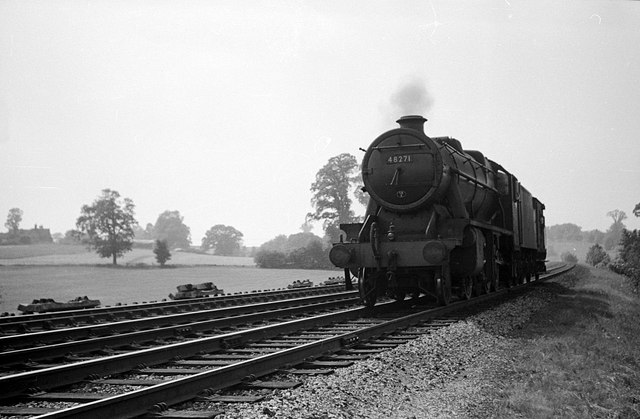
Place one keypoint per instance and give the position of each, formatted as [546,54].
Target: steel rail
[141,402]
[47,378]
[90,331]
[62,318]
[198,325]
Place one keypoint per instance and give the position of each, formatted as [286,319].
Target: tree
[224,240]
[278,244]
[161,251]
[306,227]
[331,190]
[108,223]
[615,231]
[636,210]
[596,255]
[301,251]
[594,236]
[617,216]
[312,256]
[630,248]
[628,261]
[146,234]
[169,227]
[14,218]
[564,232]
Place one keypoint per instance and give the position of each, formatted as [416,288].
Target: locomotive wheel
[399,294]
[443,290]
[521,277]
[482,284]
[466,291]
[367,288]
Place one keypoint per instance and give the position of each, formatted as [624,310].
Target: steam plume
[412,98]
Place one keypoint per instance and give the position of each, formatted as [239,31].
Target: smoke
[411,98]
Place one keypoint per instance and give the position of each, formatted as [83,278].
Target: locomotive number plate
[400,158]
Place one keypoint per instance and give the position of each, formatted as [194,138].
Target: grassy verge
[580,357]
[34,250]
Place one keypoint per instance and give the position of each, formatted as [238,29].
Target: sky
[226,110]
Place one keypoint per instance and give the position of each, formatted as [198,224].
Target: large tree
[14,218]
[636,210]
[108,224]
[617,216]
[331,193]
[144,234]
[615,231]
[224,240]
[170,228]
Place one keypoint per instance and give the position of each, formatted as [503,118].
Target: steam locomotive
[441,221]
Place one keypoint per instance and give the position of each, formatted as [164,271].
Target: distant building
[33,236]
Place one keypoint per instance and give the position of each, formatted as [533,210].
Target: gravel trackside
[443,374]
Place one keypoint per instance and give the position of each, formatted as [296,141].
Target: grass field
[55,254]
[579,357]
[66,272]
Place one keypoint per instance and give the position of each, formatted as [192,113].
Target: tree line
[609,239]
[627,261]
[301,251]
[109,227]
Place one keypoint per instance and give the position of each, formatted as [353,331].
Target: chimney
[414,122]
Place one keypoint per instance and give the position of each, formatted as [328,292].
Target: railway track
[64,319]
[44,349]
[147,381]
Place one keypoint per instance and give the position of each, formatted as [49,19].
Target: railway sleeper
[128,382]
[230,399]
[358,351]
[374,345]
[207,363]
[308,371]
[272,385]
[237,357]
[25,411]
[325,364]
[345,357]
[167,371]
[69,397]
[184,414]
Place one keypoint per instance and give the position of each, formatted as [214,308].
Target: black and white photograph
[319,209]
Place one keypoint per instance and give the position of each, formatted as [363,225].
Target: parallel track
[72,318]
[253,353]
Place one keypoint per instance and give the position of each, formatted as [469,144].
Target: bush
[161,250]
[627,270]
[312,256]
[569,257]
[597,256]
[630,248]
[270,259]
[628,261]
